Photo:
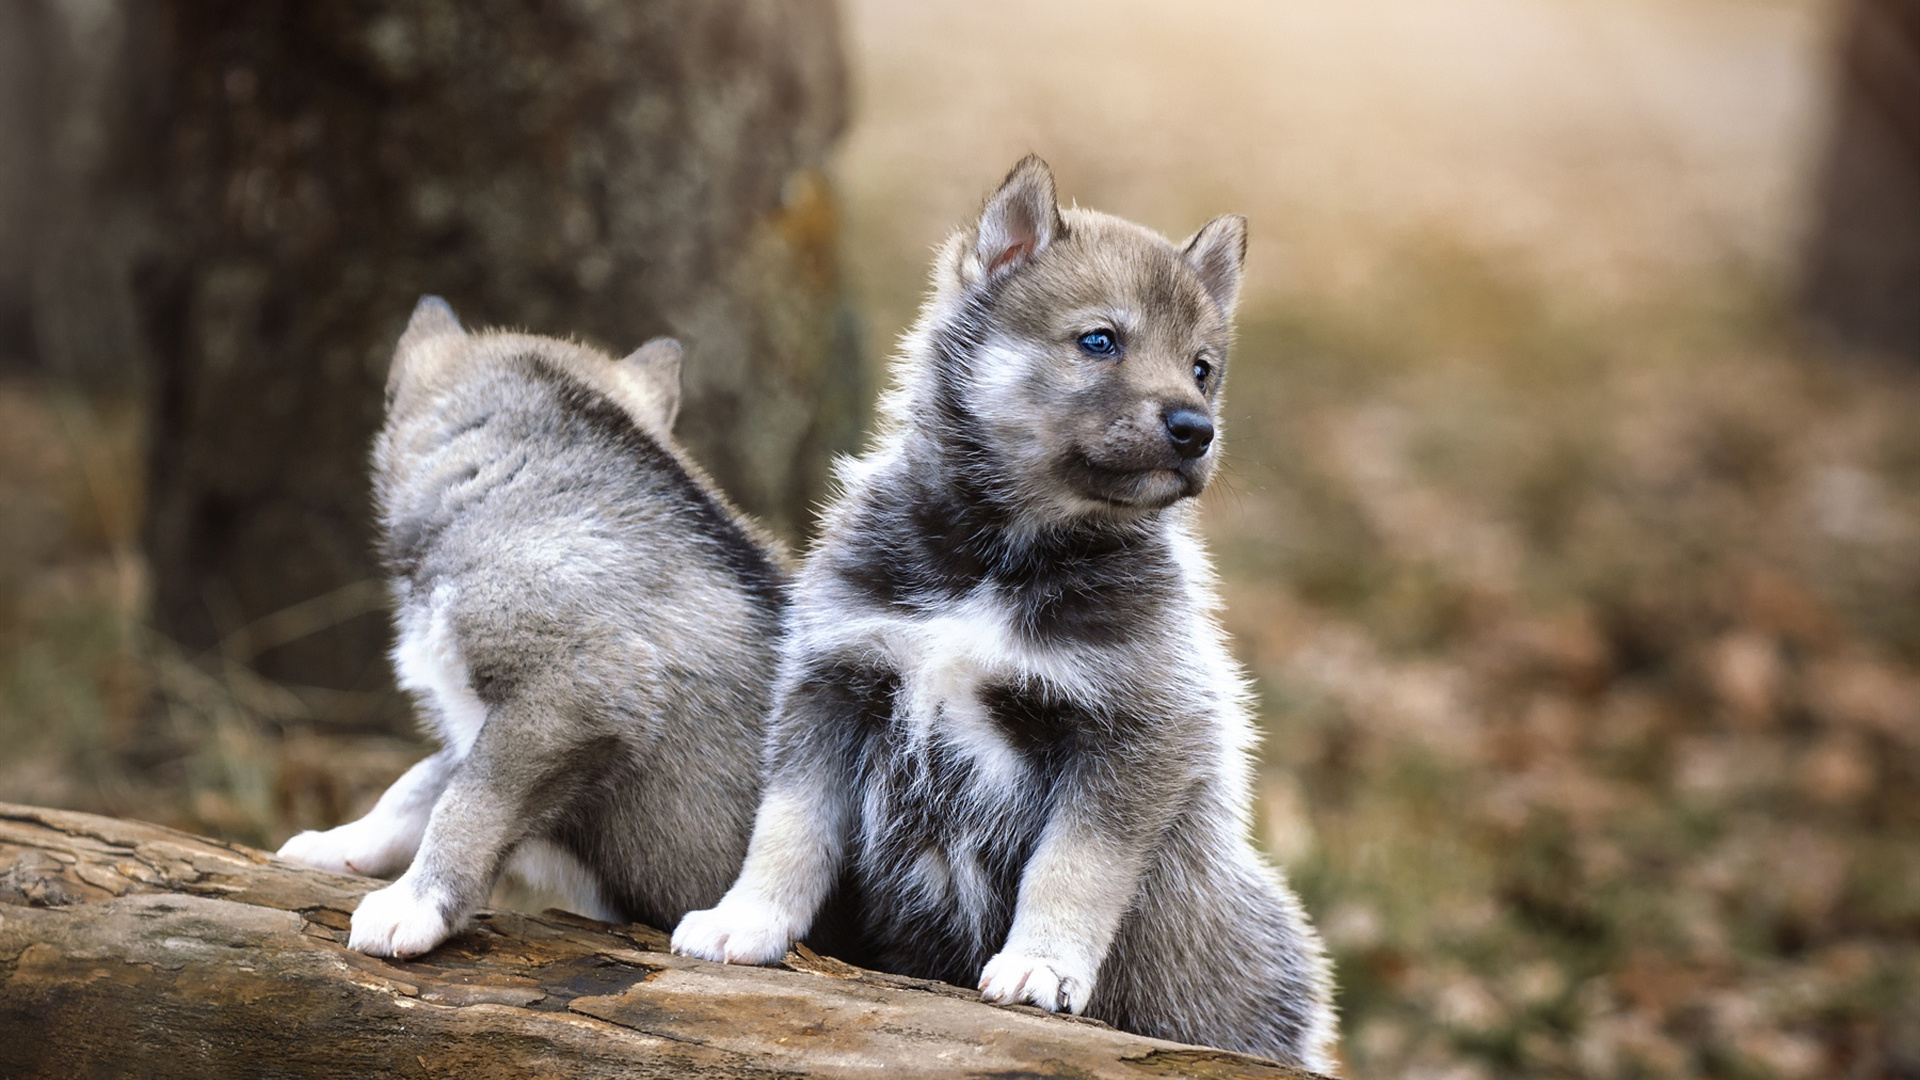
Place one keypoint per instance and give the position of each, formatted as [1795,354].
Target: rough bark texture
[1862,278]
[611,170]
[133,950]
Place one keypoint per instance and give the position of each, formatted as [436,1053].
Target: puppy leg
[1074,891]
[795,852]
[1082,876]
[799,833]
[384,841]
[534,757]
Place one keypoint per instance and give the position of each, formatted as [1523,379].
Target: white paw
[353,848]
[1049,982]
[737,932]
[397,921]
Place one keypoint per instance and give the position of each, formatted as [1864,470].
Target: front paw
[739,931]
[350,849]
[1049,982]
[397,921]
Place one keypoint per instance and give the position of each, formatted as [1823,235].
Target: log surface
[129,949]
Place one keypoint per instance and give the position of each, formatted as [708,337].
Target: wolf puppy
[1007,730]
[585,621]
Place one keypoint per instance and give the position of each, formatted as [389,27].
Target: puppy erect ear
[1216,253]
[432,318]
[1020,220]
[655,366]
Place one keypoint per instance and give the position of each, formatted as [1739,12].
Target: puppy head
[1101,348]
[435,351]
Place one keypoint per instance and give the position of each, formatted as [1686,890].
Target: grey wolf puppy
[1007,732]
[587,624]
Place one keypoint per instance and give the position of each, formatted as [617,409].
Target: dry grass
[97,712]
[1590,672]
[1584,602]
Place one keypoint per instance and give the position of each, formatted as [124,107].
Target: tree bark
[133,950]
[77,145]
[614,171]
[1861,280]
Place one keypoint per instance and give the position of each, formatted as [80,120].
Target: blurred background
[1570,521]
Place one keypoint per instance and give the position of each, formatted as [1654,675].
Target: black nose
[1190,431]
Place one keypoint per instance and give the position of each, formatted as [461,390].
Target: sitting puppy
[585,621]
[1007,732]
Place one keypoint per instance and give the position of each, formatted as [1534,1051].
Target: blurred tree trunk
[22,147]
[76,146]
[1862,279]
[611,170]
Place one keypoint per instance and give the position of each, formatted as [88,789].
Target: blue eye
[1099,343]
[1201,369]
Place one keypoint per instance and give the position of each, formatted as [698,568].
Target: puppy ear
[1217,253]
[432,318]
[1019,221]
[656,367]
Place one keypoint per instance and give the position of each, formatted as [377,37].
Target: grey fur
[588,627]
[1010,744]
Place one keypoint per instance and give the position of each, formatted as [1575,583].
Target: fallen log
[129,949]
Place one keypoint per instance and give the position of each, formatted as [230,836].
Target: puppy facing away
[587,625]
[1008,735]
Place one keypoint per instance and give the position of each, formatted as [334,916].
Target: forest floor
[1580,586]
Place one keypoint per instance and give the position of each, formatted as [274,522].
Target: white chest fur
[945,662]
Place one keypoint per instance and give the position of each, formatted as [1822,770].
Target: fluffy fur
[1010,746]
[587,625]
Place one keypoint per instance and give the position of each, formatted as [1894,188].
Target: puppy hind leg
[384,841]
[526,767]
